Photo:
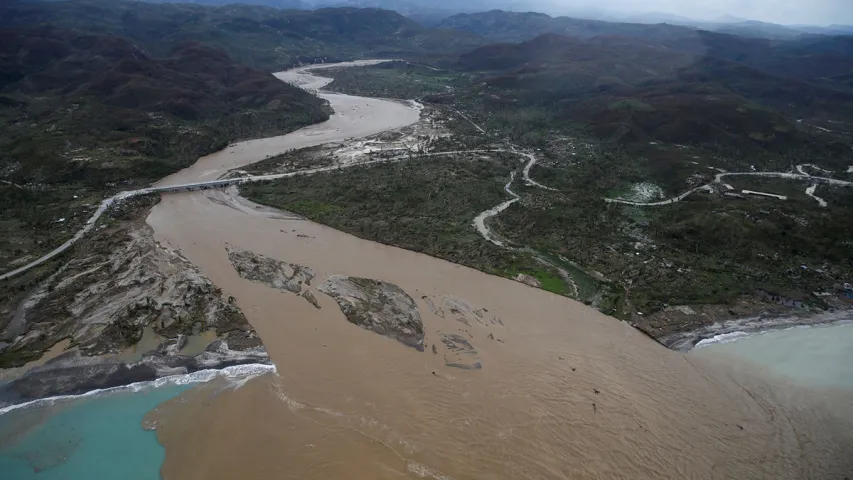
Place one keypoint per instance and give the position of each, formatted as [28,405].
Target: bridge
[185,187]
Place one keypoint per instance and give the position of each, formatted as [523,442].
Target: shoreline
[242,371]
[747,326]
[682,341]
[740,334]
[73,375]
[549,367]
[70,373]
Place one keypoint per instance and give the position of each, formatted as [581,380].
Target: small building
[763,194]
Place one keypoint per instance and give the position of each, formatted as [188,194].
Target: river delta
[511,381]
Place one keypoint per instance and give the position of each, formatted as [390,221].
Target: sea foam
[239,373]
[721,338]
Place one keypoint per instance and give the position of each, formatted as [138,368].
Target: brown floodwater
[58,349]
[564,391]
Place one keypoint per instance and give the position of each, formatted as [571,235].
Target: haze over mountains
[752,18]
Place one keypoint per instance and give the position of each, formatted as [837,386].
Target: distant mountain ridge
[501,26]
[432,13]
[98,91]
[735,91]
[259,36]
[281,4]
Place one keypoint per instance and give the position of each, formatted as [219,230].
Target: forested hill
[502,26]
[64,91]
[86,115]
[734,92]
[259,36]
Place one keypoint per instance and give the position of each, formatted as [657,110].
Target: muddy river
[564,391]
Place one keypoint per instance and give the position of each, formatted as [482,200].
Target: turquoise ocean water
[814,357]
[97,436]
[91,438]
[101,437]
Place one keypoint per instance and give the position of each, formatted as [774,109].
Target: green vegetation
[501,26]
[395,80]
[258,36]
[633,92]
[424,205]
[148,88]
[707,250]
[84,116]
[647,113]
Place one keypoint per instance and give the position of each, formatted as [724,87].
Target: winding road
[219,183]
[480,220]
[718,179]
[344,122]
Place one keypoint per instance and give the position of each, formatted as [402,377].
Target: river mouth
[814,356]
[545,387]
[563,391]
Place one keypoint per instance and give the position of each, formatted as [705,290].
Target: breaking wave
[738,335]
[722,338]
[239,373]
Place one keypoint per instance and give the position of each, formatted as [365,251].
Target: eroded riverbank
[557,377]
[564,391]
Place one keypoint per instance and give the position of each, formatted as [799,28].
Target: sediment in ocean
[567,393]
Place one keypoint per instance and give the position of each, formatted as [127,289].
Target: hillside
[98,95]
[501,26]
[263,37]
[620,117]
[630,89]
[291,4]
[823,58]
[83,115]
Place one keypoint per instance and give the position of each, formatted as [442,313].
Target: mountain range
[433,13]
[259,36]
[98,96]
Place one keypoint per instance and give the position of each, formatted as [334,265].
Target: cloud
[818,12]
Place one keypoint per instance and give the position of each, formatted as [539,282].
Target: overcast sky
[815,12]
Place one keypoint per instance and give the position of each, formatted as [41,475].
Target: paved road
[182,187]
[718,179]
[77,236]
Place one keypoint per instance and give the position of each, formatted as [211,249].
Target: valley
[486,312]
[641,270]
[456,261]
